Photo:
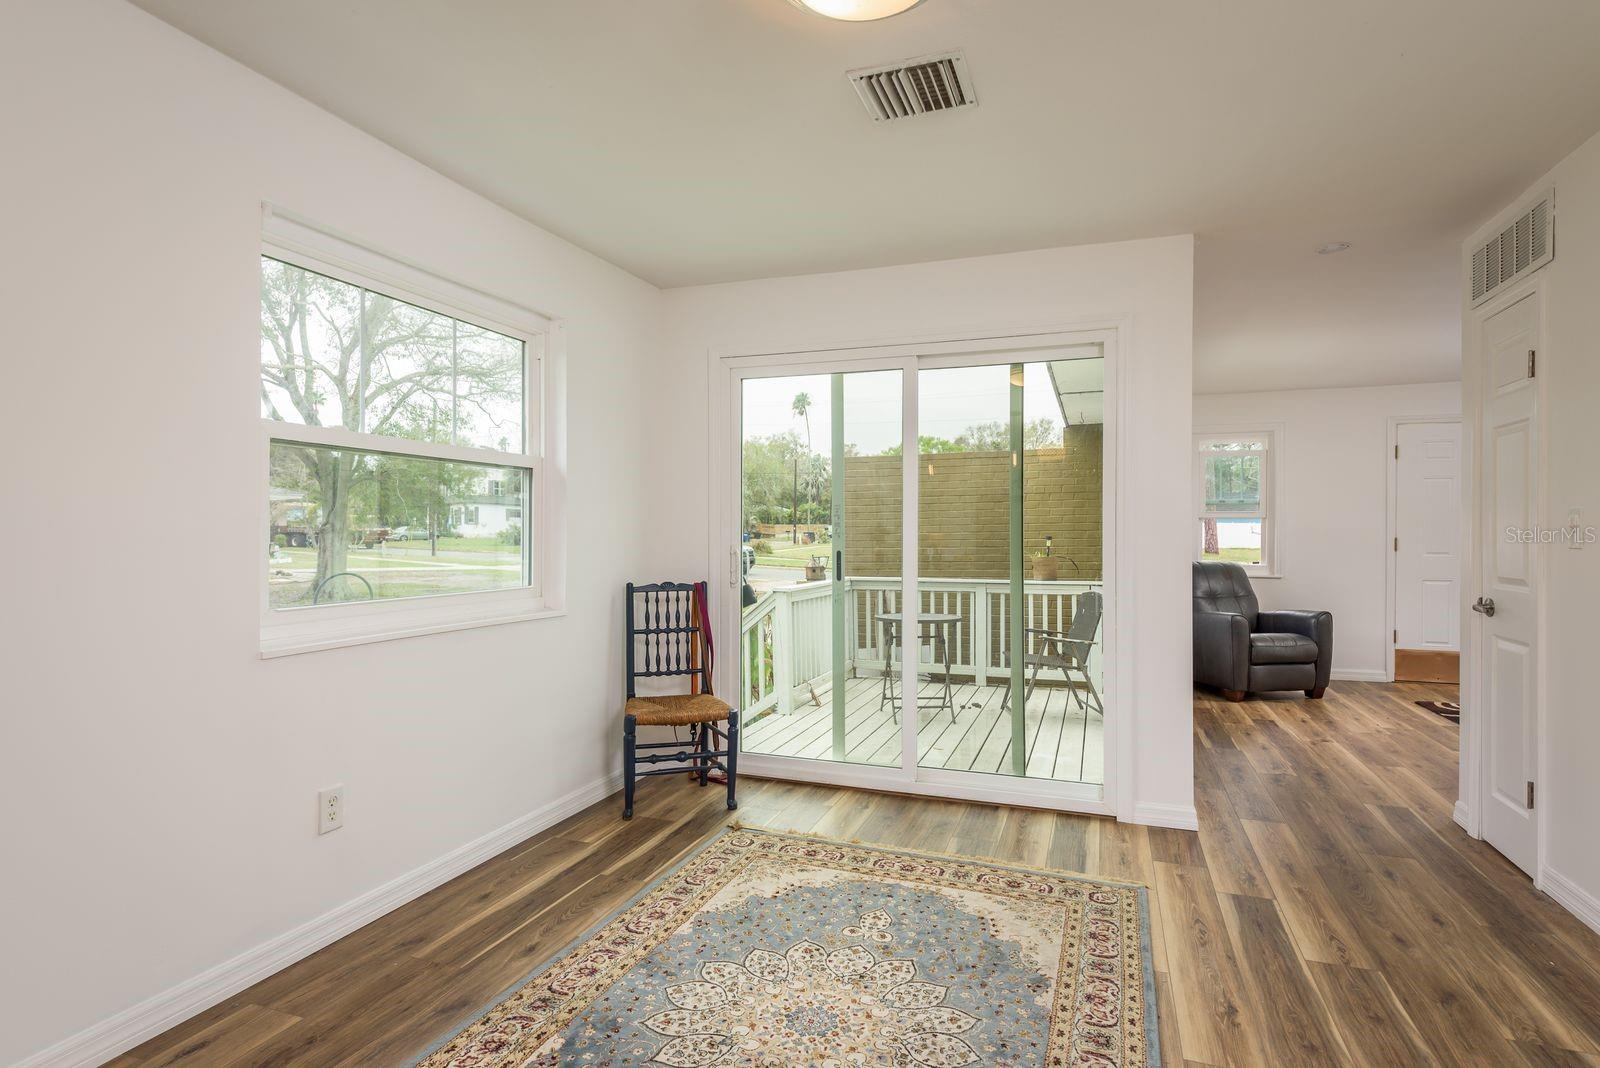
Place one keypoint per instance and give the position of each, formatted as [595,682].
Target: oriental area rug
[769,949]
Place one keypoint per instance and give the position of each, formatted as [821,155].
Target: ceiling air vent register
[914,86]
[1526,244]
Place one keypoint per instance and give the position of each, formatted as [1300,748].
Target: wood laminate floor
[1327,912]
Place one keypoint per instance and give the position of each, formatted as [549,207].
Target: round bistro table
[942,628]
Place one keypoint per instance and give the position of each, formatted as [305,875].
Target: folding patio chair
[1067,653]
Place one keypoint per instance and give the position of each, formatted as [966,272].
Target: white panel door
[1508,476]
[1428,529]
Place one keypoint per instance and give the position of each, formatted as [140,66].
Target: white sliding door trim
[929,782]
[727,367]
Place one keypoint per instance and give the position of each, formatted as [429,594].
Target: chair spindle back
[665,637]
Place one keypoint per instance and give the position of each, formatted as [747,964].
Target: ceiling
[695,141]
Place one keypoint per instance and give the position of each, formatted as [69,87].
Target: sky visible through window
[950,402]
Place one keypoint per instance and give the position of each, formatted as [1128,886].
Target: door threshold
[1047,795]
[1427,665]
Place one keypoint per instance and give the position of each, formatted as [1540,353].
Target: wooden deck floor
[1064,742]
[1328,911]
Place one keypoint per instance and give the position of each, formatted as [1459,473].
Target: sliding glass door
[1009,549]
[984,662]
[820,507]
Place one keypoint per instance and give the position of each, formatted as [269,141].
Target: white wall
[1569,395]
[1333,488]
[158,779]
[1150,282]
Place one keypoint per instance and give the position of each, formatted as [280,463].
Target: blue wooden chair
[667,637]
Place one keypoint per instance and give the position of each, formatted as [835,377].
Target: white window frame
[1271,435]
[727,370]
[299,629]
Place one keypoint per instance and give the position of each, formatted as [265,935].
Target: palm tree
[814,477]
[802,408]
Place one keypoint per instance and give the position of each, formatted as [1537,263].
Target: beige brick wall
[964,510]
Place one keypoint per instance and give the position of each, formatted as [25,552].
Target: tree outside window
[1234,499]
[337,355]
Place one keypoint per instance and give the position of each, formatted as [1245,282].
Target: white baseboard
[117,1034]
[1181,817]
[1359,675]
[1570,896]
[1463,817]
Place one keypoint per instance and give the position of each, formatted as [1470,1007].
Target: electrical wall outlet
[330,809]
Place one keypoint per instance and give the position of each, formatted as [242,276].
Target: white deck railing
[786,642]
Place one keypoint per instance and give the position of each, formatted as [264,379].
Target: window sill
[311,636]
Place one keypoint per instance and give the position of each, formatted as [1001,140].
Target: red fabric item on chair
[711,654]
[705,629]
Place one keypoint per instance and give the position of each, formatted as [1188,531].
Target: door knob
[1484,605]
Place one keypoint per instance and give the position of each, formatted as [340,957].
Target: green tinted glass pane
[354,526]
[310,345]
[488,389]
[1232,483]
[335,355]
[409,371]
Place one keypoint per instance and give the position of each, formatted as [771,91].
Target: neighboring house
[486,515]
[478,515]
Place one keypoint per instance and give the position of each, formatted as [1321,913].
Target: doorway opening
[922,549]
[1425,552]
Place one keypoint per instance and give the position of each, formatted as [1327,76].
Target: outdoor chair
[1067,653]
[669,636]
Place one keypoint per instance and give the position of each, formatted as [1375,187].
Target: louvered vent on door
[914,87]
[1524,246]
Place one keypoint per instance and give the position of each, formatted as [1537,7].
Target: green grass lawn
[462,552]
[393,553]
[787,554]
[1237,556]
[463,565]
[457,545]
[361,559]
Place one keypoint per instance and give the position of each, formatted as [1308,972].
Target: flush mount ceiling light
[857,10]
[1331,247]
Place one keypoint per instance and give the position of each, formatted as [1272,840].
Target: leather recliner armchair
[1240,649]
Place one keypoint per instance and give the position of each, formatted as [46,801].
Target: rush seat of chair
[677,710]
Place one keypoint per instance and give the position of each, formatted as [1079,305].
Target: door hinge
[733,566]
[1530,794]
[1397,452]
[1397,636]
[1397,544]
[1532,361]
